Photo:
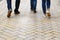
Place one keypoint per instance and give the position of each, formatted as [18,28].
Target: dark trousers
[9,4]
[33,4]
[45,5]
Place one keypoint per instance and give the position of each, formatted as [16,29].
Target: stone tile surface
[30,26]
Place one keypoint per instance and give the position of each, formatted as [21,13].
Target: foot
[16,12]
[35,11]
[48,14]
[9,13]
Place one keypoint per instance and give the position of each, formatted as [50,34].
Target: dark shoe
[9,13]
[35,11]
[16,12]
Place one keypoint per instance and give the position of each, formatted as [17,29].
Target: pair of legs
[9,6]
[33,5]
[46,6]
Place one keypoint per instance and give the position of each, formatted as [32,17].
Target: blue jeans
[45,5]
[33,4]
[9,5]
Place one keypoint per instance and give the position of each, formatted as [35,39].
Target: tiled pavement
[30,26]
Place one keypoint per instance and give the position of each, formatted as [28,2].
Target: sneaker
[9,13]
[35,11]
[16,12]
[48,14]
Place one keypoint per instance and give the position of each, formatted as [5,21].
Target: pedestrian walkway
[30,26]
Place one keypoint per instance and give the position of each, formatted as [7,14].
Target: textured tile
[30,26]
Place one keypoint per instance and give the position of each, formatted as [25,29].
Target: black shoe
[16,12]
[35,11]
[9,13]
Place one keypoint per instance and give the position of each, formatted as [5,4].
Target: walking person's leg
[17,4]
[9,6]
[48,4]
[48,8]
[44,6]
[34,6]
[31,4]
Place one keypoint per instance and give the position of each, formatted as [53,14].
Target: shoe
[35,11]
[48,14]
[16,12]
[9,13]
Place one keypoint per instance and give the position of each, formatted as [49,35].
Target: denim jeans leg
[31,3]
[9,6]
[35,4]
[48,4]
[44,6]
[17,4]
